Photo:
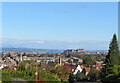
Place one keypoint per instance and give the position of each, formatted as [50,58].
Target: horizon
[59,25]
[50,49]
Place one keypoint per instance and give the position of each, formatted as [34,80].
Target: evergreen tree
[112,57]
[111,61]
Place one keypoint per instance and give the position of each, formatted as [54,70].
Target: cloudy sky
[59,25]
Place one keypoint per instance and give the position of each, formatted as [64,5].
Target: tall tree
[112,57]
[111,61]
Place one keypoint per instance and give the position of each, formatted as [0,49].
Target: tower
[21,57]
[60,60]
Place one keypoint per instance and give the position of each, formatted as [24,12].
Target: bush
[6,77]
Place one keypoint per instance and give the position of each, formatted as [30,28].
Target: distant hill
[49,51]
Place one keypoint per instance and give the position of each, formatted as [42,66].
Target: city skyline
[59,25]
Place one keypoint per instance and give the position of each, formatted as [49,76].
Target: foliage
[119,60]
[88,61]
[94,74]
[112,57]
[29,75]
[62,72]
[71,78]
[6,77]
[22,66]
[80,76]
[110,71]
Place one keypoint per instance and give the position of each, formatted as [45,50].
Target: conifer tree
[112,57]
[111,61]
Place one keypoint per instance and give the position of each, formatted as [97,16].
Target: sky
[59,25]
[60,0]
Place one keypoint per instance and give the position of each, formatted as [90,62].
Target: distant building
[13,54]
[80,61]
[60,59]
[80,50]
[69,51]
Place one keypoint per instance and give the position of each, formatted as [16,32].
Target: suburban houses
[12,60]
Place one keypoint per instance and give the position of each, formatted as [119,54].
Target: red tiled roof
[98,65]
[73,66]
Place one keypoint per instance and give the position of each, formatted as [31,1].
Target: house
[98,66]
[80,61]
[1,67]
[71,67]
[78,70]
